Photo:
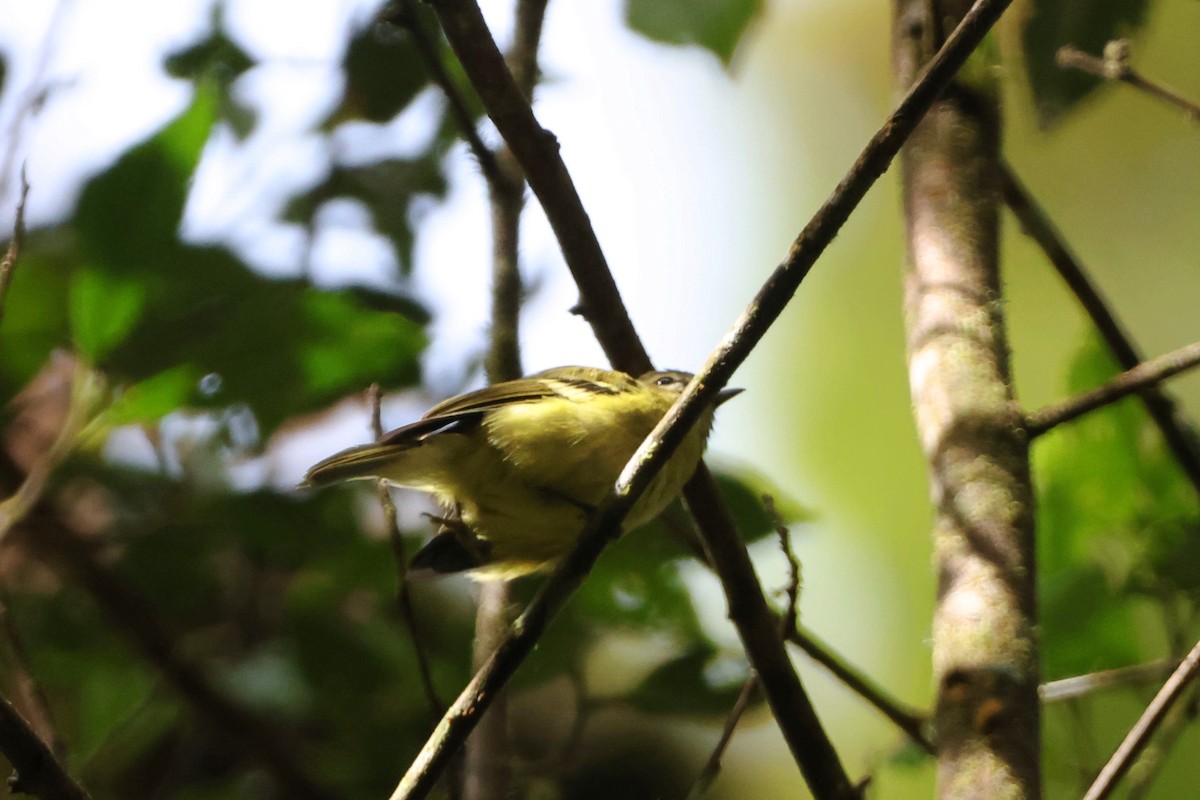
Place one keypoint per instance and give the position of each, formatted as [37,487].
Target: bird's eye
[666,380]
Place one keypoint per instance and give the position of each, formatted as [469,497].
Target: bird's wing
[460,413]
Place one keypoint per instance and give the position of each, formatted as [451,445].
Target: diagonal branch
[910,721]
[537,151]
[1148,373]
[38,771]
[548,179]
[1145,727]
[407,15]
[1179,439]
[488,772]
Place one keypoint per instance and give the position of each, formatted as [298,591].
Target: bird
[520,465]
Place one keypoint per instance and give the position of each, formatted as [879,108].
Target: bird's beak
[727,394]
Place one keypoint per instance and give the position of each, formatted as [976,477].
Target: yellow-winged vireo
[521,464]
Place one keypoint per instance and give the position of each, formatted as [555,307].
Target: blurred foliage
[1053,24]
[715,25]
[218,59]
[119,285]
[1118,550]
[286,601]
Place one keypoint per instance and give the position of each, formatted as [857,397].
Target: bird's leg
[453,525]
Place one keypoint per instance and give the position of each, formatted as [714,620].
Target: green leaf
[1087,26]
[104,308]
[384,72]
[109,694]
[337,326]
[715,25]
[387,189]
[35,314]
[215,56]
[154,397]
[128,216]
[217,60]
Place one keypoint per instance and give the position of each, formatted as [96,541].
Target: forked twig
[1145,727]
[1115,66]
[1145,374]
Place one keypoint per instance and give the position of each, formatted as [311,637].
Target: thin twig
[1141,732]
[791,612]
[1149,765]
[1115,66]
[8,265]
[34,95]
[758,628]
[909,720]
[1145,374]
[404,601]
[712,767]
[488,772]
[38,772]
[787,622]
[912,722]
[537,151]
[406,14]
[1175,432]
[538,156]
[1083,685]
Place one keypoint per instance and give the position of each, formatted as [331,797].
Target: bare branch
[758,629]
[712,767]
[1083,685]
[536,150]
[1145,727]
[1115,66]
[547,176]
[406,14]
[1145,374]
[38,771]
[787,623]
[1036,223]
[912,722]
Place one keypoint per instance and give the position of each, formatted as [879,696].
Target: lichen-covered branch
[985,653]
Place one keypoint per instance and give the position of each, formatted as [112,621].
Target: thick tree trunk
[985,653]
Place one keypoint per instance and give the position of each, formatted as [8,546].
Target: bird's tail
[357,463]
